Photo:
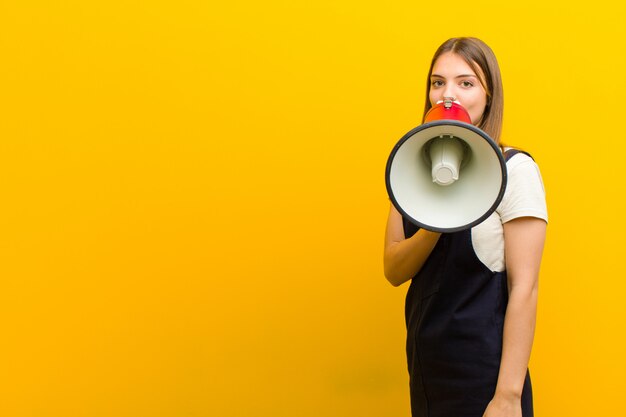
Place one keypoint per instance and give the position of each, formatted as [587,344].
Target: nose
[442,94]
[449,91]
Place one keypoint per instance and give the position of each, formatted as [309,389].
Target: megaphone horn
[446,175]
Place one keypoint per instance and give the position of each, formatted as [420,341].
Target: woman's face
[453,77]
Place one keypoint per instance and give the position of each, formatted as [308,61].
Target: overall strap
[511,152]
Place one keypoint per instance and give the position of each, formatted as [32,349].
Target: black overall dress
[454,312]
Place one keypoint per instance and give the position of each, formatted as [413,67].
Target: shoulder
[521,166]
[525,192]
[515,155]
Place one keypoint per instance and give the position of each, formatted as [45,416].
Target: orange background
[193,201]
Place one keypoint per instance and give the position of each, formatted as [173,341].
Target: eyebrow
[458,76]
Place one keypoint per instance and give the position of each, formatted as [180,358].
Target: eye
[436,83]
[467,84]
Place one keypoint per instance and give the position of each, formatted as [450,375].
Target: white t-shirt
[524,197]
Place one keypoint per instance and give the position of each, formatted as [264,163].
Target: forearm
[405,258]
[519,329]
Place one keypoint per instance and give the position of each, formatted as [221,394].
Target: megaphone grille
[461,205]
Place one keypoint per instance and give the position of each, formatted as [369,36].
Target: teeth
[455,101]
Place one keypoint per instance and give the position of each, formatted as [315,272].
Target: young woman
[472,302]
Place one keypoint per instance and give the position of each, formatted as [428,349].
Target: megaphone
[446,175]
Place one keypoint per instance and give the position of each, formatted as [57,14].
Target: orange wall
[193,201]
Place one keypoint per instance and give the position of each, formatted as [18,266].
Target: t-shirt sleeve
[525,194]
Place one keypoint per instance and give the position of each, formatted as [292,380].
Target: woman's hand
[504,407]
[405,257]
